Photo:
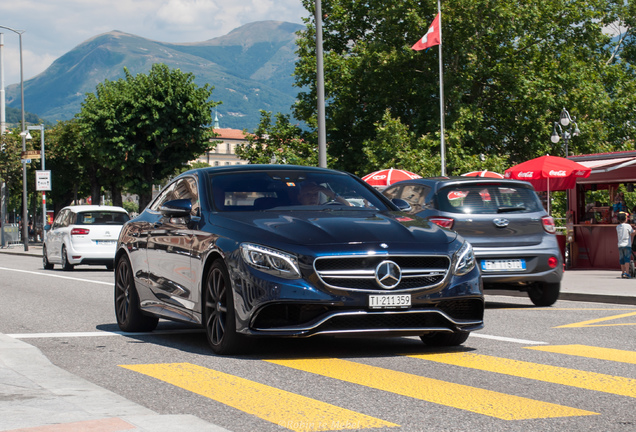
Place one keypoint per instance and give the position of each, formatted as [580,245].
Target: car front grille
[358,273]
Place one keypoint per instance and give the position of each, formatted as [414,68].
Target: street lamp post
[25,210]
[566,134]
[41,129]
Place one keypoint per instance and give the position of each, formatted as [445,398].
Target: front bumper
[268,306]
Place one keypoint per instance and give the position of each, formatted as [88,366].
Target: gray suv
[512,235]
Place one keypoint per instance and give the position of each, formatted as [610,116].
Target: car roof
[440,182]
[261,167]
[84,207]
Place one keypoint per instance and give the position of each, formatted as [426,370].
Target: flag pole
[441,92]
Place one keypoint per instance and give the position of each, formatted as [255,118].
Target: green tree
[279,142]
[68,158]
[11,168]
[143,128]
[509,69]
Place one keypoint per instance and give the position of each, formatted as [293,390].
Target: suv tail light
[548,224]
[79,231]
[444,222]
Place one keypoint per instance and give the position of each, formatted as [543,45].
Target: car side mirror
[47,227]
[176,208]
[402,204]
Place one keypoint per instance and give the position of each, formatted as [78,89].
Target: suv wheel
[544,294]
[65,264]
[45,260]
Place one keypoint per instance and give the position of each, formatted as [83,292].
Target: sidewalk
[37,396]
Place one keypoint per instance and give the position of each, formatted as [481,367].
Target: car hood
[334,227]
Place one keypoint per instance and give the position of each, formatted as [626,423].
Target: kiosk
[591,226]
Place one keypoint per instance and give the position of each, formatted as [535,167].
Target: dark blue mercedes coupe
[289,251]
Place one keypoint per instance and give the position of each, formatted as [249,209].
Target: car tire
[45,260]
[66,266]
[544,294]
[445,339]
[130,318]
[219,314]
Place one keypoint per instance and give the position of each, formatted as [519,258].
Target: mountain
[250,68]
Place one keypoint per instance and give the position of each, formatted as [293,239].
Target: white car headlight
[464,260]
[271,261]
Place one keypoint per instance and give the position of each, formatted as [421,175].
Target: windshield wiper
[509,209]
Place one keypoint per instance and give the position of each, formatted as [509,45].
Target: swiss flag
[431,38]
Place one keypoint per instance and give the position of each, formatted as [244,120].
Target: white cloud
[54,28]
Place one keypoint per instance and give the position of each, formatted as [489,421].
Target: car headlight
[464,260]
[271,261]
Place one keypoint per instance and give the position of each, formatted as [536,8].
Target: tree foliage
[69,160]
[509,68]
[143,128]
[278,142]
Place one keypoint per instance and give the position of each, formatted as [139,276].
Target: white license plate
[503,265]
[390,301]
[105,242]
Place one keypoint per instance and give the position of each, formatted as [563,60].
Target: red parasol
[548,173]
[484,173]
[387,177]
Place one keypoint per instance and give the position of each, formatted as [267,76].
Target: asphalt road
[567,367]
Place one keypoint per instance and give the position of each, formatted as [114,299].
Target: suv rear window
[101,218]
[483,199]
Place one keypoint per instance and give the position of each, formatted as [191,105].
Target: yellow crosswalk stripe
[610,354]
[289,410]
[546,373]
[594,322]
[486,402]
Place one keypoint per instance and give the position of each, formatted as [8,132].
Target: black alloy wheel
[219,315]
[130,318]
[45,260]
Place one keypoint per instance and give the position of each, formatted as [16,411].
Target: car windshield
[488,198]
[101,217]
[293,190]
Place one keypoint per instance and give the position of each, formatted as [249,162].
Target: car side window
[186,188]
[59,220]
[414,195]
[393,192]
[164,196]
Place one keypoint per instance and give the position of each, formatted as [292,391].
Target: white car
[83,234]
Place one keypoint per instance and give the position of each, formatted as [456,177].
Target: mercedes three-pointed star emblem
[388,274]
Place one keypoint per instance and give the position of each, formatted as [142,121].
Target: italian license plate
[390,301]
[105,242]
[503,265]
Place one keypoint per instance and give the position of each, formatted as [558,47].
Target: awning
[607,165]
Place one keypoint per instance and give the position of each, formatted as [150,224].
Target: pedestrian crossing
[305,414]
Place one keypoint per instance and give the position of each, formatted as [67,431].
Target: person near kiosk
[625,234]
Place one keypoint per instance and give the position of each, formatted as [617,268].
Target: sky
[54,27]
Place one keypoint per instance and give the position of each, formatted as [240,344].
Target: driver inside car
[310,194]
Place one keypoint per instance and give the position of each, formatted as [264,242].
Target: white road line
[58,276]
[98,334]
[507,339]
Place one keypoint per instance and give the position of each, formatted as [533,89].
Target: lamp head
[555,136]
[565,117]
[28,136]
